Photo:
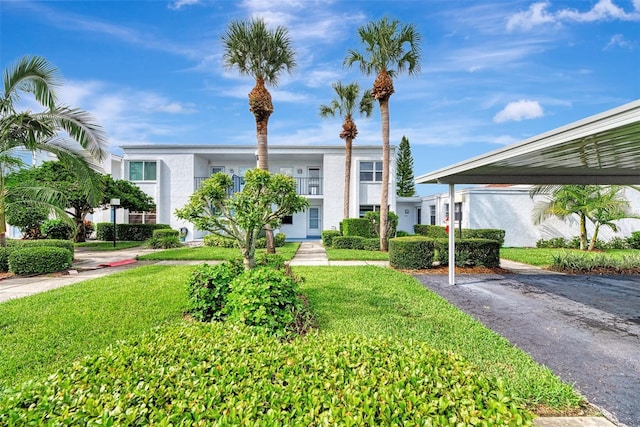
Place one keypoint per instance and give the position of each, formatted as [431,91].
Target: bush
[39,260]
[166,242]
[208,289]
[265,298]
[164,232]
[348,242]
[21,244]
[4,258]
[127,232]
[219,241]
[634,240]
[356,227]
[279,240]
[433,231]
[372,244]
[214,374]
[470,252]
[328,236]
[585,262]
[374,224]
[617,243]
[413,252]
[554,242]
[57,229]
[484,233]
[402,233]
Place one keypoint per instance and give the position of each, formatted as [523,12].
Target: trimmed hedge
[356,227]
[470,252]
[165,232]
[21,244]
[279,240]
[4,258]
[219,375]
[433,231]
[634,240]
[328,236]
[127,232]
[411,252]
[39,260]
[348,242]
[372,244]
[484,233]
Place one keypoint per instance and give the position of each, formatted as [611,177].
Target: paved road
[586,329]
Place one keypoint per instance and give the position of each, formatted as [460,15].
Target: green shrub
[275,261]
[402,233]
[372,244]
[327,237]
[374,224]
[470,252]
[278,240]
[348,242]
[21,244]
[412,252]
[265,298]
[634,240]
[554,242]
[166,242]
[218,375]
[585,262]
[127,232]
[219,241]
[356,227]
[208,289]
[617,243]
[57,229]
[4,258]
[484,233]
[39,260]
[164,232]
[433,231]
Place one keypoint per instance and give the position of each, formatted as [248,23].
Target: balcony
[304,186]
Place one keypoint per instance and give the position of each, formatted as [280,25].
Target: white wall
[333,207]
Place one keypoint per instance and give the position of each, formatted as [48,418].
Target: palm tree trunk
[347,176]
[384,200]
[583,232]
[594,239]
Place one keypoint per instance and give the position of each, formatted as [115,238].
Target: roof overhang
[601,149]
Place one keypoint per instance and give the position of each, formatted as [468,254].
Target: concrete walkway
[313,253]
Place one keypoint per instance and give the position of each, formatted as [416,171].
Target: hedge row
[228,242]
[31,260]
[356,242]
[221,375]
[128,232]
[419,252]
[439,232]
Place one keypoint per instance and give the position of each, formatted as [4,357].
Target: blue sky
[492,72]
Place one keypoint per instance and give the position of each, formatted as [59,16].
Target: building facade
[171,173]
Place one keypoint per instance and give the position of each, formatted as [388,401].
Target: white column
[452,252]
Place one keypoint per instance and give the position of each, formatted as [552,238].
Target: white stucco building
[171,173]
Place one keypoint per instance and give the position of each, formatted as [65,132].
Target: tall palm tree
[344,104]
[601,205]
[390,49]
[262,54]
[70,134]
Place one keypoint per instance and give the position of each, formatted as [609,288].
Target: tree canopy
[406,186]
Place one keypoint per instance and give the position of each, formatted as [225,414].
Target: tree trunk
[583,232]
[594,239]
[347,177]
[384,200]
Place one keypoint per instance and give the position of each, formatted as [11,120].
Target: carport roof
[601,149]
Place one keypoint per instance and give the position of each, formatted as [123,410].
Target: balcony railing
[304,186]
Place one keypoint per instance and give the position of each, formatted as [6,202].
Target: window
[287,220]
[457,211]
[371,171]
[368,208]
[142,171]
[432,214]
[142,217]
[216,169]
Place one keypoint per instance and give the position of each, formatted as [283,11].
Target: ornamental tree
[264,201]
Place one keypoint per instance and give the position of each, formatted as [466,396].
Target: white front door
[314,221]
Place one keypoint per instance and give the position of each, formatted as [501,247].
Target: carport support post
[451,236]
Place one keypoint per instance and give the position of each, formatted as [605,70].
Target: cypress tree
[404,174]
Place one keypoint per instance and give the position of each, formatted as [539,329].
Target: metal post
[452,251]
[114,205]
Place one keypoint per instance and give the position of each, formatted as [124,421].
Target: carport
[603,149]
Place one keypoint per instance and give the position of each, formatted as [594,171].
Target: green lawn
[543,257]
[47,331]
[99,245]
[207,253]
[356,255]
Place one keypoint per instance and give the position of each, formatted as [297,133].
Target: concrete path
[313,253]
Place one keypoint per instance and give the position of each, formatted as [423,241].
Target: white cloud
[520,110]
[177,4]
[618,40]
[538,14]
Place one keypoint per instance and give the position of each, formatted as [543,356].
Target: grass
[375,301]
[207,253]
[356,255]
[543,257]
[100,245]
[44,332]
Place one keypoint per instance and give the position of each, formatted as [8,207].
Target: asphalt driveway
[586,329]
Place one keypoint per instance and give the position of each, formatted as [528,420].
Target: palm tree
[390,49]
[70,134]
[601,205]
[344,104]
[262,54]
